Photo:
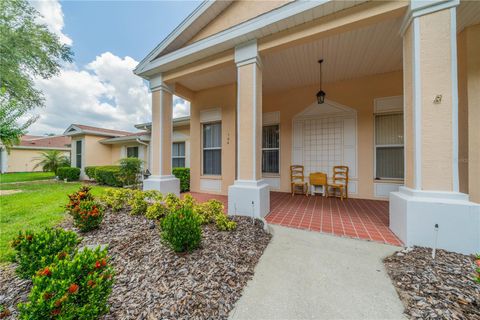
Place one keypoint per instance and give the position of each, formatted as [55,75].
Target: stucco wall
[238,12]
[224,98]
[358,94]
[21,160]
[97,154]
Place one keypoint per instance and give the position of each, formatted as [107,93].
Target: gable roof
[76,129]
[279,19]
[50,142]
[195,21]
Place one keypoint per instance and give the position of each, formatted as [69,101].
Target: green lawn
[25,176]
[40,204]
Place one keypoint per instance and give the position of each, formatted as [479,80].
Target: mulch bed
[435,289]
[154,282]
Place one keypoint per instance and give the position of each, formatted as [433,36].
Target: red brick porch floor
[353,218]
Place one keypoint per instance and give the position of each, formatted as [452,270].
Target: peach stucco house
[94,146]
[402,106]
[24,156]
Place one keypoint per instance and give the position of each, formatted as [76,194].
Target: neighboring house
[94,146]
[401,107]
[24,156]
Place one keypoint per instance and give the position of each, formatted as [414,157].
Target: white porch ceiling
[366,51]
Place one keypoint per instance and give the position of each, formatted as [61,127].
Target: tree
[27,50]
[51,160]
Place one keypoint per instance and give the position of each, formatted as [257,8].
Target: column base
[249,197]
[164,184]
[414,214]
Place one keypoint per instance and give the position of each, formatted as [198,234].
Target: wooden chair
[339,181]
[319,179]
[297,179]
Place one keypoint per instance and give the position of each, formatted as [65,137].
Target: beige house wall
[473,80]
[408,110]
[358,94]
[23,160]
[238,12]
[462,113]
[223,97]
[96,153]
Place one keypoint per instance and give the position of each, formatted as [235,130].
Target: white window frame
[184,157]
[274,174]
[138,151]
[212,148]
[79,142]
[376,146]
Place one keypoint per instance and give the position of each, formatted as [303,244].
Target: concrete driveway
[309,275]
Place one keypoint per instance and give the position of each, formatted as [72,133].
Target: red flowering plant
[87,213]
[77,287]
[34,251]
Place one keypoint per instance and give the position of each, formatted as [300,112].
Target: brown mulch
[153,282]
[435,289]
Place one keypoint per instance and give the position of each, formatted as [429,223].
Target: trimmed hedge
[108,175]
[69,173]
[184,175]
[90,171]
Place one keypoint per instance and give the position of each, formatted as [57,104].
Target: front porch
[354,218]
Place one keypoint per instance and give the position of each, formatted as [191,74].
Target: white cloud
[181,108]
[105,93]
[52,15]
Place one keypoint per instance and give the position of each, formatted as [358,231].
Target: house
[25,156]
[94,146]
[401,106]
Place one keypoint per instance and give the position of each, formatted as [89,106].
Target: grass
[39,205]
[25,176]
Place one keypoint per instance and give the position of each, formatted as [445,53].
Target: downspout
[148,148]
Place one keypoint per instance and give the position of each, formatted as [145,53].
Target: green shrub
[75,287]
[172,202]
[477,269]
[156,211]
[108,175]
[208,211]
[69,173]
[90,171]
[181,229]
[34,251]
[138,203]
[223,223]
[88,215]
[183,174]
[116,199]
[130,169]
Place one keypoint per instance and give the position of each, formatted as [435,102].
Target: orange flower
[91,283]
[98,265]
[73,288]
[478,262]
[103,262]
[44,272]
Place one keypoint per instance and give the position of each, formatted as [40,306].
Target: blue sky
[124,28]
[108,38]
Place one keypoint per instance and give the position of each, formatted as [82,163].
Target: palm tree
[52,160]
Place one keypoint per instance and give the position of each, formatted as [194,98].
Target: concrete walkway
[309,275]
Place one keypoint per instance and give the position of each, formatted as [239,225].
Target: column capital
[157,83]
[247,53]
[418,8]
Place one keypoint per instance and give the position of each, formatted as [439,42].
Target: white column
[3,160]
[250,194]
[430,197]
[161,140]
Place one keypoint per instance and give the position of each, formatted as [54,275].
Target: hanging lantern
[320,93]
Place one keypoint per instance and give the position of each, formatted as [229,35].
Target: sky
[108,39]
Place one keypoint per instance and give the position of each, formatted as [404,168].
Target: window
[178,155]
[271,149]
[212,148]
[132,152]
[389,158]
[78,153]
